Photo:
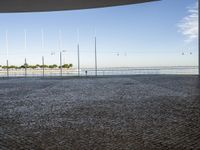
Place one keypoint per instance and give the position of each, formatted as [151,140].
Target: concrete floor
[106,113]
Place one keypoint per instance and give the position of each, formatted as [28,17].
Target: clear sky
[150,34]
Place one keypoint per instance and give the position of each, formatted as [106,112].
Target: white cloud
[189,24]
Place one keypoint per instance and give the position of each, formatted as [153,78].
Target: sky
[141,35]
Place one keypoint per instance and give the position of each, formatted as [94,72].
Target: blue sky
[150,34]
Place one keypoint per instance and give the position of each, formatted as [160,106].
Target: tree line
[37,66]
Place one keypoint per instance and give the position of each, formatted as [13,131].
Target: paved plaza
[104,113]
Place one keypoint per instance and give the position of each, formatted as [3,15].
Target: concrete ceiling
[9,6]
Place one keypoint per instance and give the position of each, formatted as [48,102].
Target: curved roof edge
[11,6]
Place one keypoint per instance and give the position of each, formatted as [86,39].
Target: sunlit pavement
[121,112]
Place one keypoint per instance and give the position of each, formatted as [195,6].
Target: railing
[101,71]
[144,70]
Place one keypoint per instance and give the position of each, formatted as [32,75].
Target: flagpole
[198,34]
[25,39]
[6,44]
[78,53]
[95,50]
[60,48]
[42,45]
[42,38]
[7,53]
[95,41]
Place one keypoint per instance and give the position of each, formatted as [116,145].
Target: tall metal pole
[42,38]
[95,56]
[7,68]
[60,40]
[60,48]
[42,44]
[25,45]
[6,44]
[25,39]
[199,34]
[43,66]
[7,53]
[25,64]
[78,60]
[61,64]
[78,54]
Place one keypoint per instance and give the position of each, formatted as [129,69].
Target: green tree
[32,66]
[53,66]
[25,65]
[44,66]
[12,67]
[37,66]
[67,66]
[4,67]
[70,65]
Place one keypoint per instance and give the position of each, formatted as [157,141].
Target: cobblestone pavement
[107,113]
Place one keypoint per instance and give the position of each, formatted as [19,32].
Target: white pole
[77,35]
[42,38]
[199,35]
[42,45]
[61,63]
[60,40]
[6,44]
[78,53]
[25,63]
[7,53]
[95,56]
[43,66]
[25,39]
[95,42]
[7,68]
[78,60]
[60,48]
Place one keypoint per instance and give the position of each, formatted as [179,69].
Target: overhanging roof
[7,6]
